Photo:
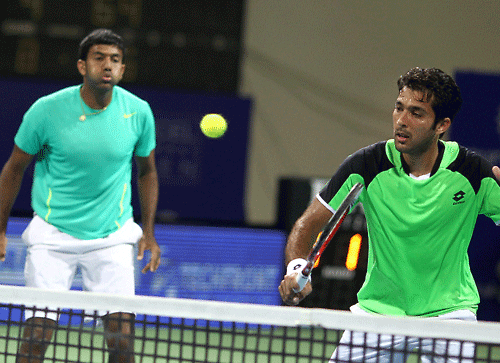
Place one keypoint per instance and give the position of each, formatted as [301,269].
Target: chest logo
[129,115]
[458,197]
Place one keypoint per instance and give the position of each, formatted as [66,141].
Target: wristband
[296,265]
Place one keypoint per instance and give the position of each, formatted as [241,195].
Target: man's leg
[111,270]
[119,333]
[37,335]
[46,268]
[370,348]
[450,351]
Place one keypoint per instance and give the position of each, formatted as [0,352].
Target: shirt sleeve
[30,136]
[147,139]
[490,191]
[361,167]
[348,174]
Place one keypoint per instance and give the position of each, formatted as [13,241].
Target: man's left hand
[149,243]
[496,172]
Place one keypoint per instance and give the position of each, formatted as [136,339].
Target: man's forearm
[306,230]
[299,241]
[10,184]
[148,196]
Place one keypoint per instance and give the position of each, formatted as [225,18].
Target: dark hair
[438,87]
[99,36]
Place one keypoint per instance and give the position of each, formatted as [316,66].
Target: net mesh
[182,330]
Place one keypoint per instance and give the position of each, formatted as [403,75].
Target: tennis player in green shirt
[421,198]
[83,139]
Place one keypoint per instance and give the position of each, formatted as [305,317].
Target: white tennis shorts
[106,264]
[385,348]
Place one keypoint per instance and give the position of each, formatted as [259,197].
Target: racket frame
[327,234]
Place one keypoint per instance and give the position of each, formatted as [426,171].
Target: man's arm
[10,183]
[306,229]
[147,183]
[300,241]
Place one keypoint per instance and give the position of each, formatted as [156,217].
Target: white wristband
[296,265]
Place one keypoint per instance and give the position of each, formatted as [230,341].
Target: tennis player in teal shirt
[84,139]
[421,198]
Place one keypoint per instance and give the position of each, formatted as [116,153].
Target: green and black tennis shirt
[418,230]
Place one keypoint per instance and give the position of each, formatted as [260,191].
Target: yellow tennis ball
[213,125]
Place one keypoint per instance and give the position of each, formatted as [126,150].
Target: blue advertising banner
[200,178]
[477,126]
[198,262]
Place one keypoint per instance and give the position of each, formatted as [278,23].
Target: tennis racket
[327,234]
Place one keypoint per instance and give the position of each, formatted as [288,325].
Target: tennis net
[184,330]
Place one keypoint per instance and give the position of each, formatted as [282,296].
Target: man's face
[103,67]
[413,121]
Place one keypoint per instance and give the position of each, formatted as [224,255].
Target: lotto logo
[459,197]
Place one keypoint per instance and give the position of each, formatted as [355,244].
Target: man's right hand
[11,177]
[287,289]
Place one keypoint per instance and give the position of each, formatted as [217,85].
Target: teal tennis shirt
[418,230]
[83,170]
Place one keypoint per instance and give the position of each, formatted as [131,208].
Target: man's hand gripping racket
[326,235]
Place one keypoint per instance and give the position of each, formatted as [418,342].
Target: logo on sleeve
[458,197]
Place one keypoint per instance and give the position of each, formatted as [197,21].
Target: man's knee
[120,336]
[37,335]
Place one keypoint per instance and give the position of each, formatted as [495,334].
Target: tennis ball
[213,125]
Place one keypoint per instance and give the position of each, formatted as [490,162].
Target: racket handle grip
[301,280]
